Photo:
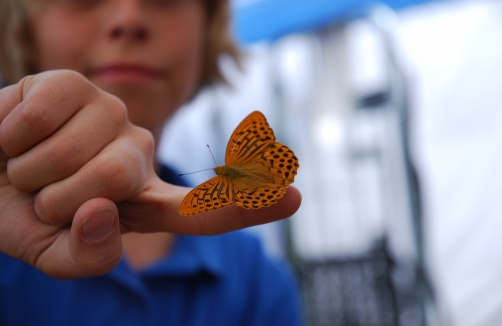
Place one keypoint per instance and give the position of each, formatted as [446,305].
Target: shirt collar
[190,256]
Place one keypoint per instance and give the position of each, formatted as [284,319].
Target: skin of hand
[69,153]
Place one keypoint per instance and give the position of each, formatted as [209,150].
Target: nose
[128,21]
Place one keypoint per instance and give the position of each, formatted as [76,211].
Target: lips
[126,74]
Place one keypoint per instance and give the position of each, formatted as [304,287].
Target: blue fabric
[219,280]
[268,20]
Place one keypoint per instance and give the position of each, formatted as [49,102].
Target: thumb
[95,244]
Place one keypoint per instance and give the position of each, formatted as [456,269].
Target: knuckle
[17,176]
[66,74]
[116,108]
[68,86]
[69,78]
[126,169]
[116,177]
[36,117]
[51,212]
[65,81]
[145,139]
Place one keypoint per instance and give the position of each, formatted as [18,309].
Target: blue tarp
[262,20]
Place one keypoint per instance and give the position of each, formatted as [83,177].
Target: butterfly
[256,173]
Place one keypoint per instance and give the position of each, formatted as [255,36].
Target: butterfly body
[230,171]
[238,173]
[256,173]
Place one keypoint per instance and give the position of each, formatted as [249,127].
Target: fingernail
[98,225]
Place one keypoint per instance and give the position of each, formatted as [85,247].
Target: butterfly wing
[262,196]
[268,176]
[281,162]
[215,193]
[250,137]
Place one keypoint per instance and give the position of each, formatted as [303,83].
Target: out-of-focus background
[394,109]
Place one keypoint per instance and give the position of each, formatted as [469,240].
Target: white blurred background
[308,83]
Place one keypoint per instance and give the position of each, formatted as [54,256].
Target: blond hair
[17,45]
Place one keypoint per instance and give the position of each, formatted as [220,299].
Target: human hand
[71,163]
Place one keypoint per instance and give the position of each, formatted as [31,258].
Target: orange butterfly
[256,173]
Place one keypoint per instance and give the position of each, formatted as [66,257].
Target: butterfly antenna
[211,154]
[182,174]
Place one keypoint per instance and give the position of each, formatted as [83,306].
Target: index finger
[161,213]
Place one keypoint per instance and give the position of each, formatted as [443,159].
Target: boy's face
[147,52]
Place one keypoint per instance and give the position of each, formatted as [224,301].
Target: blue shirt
[218,280]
